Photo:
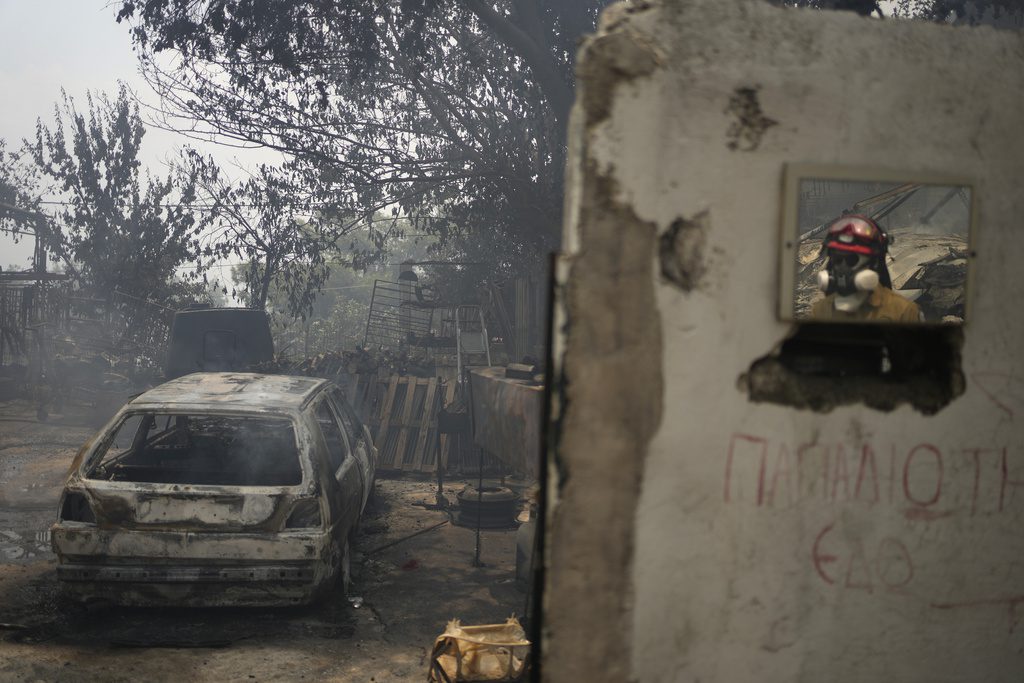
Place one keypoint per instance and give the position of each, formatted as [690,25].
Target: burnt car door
[346,501]
[359,439]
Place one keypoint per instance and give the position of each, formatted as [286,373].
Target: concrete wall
[694,534]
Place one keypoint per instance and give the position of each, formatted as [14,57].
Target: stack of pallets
[406,431]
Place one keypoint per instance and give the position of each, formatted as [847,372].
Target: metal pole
[441,501]
[949,195]
[468,383]
[892,206]
[369,315]
[3,321]
[406,538]
[479,510]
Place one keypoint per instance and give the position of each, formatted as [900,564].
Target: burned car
[217,489]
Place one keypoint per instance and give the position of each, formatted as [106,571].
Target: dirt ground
[401,598]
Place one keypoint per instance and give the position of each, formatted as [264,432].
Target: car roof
[235,390]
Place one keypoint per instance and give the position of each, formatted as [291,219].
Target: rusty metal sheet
[507,418]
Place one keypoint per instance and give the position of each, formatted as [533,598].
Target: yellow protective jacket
[884,305]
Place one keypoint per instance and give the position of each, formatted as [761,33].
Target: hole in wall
[681,251]
[820,366]
[749,123]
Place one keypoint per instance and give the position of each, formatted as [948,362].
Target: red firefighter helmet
[856,234]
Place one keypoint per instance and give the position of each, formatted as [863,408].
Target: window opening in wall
[821,366]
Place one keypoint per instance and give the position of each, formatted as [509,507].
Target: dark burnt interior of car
[213,450]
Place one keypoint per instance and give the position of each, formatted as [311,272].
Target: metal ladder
[471,338]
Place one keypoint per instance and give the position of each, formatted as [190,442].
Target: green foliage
[337,318]
[12,190]
[18,198]
[969,11]
[1000,12]
[863,7]
[452,114]
[119,230]
[264,221]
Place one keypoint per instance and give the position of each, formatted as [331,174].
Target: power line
[208,207]
[205,207]
[215,265]
[335,289]
[17,232]
[143,300]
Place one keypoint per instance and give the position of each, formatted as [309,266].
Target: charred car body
[217,489]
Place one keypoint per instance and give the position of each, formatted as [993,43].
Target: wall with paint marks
[719,539]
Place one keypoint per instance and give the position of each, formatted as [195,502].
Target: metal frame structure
[397,310]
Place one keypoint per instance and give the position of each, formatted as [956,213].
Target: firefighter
[856,280]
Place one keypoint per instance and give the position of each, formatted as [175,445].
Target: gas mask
[848,274]
[856,249]
[850,277]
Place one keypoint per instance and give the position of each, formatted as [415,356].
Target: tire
[496,507]
[490,494]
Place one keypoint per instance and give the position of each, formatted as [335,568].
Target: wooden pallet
[406,428]
[362,392]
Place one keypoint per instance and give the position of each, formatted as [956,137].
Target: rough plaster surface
[696,535]
[612,355]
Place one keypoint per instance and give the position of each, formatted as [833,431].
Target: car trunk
[159,543]
[207,508]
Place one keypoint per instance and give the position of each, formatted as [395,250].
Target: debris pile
[492,652]
[941,281]
[358,361]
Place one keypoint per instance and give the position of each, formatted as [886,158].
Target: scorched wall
[695,534]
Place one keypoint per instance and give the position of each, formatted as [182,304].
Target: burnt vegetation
[1000,12]
[451,115]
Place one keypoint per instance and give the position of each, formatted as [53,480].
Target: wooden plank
[427,417]
[401,413]
[410,430]
[403,422]
[384,415]
[359,391]
[410,460]
[430,427]
[416,426]
[446,440]
[397,427]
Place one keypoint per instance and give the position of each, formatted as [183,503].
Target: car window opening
[216,450]
[337,448]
